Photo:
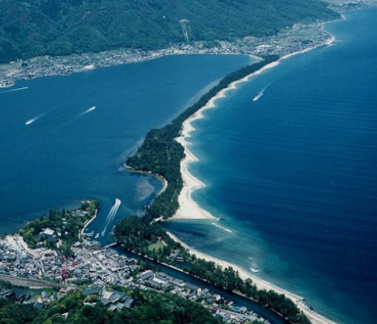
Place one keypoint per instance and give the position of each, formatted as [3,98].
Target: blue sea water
[293,176]
[56,149]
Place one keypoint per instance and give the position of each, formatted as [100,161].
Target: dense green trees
[151,307]
[67,222]
[12,313]
[30,28]
[137,234]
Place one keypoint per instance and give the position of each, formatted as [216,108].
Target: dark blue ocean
[293,174]
[72,152]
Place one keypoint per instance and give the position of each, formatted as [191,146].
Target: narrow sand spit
[188,209]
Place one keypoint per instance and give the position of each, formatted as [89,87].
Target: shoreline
[188,208]
[261,284]
[161,178]
[41,66]
[88,223]
[4,86]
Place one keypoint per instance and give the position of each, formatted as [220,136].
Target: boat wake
[260,93]
[86,112]
[12,90]
[110,217]
[30,121]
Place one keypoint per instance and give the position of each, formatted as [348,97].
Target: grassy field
[156,246]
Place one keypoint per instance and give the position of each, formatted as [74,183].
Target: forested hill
[31,28]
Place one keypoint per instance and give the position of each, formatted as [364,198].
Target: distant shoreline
[189,209]
[286,41]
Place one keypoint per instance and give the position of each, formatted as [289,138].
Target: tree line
[30,28]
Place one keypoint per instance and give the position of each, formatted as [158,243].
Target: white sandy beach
[188,209]
[314,317]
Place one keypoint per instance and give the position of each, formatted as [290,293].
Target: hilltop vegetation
[31,28]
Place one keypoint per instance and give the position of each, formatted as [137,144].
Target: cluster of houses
[15,260]
[288,41]
[100,267]
[114,299]
[215,303]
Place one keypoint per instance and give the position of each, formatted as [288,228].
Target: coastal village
[96,270]
[295,39]
[291,40]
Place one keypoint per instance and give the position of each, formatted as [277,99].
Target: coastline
[7,85]
[261,284]
[162,179]
[189,209]
[42,66]
[88,223]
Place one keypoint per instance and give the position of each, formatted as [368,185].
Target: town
[95,269]
[291,40]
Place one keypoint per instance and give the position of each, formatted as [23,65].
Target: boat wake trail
[30,121]
[86,111]
[110,217]
[12,90]
[260,93]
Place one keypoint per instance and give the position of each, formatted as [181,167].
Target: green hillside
[30,28]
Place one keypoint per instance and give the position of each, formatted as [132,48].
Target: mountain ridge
[51,27]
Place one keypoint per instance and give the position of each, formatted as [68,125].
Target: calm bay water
[70,151]
[293,174]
